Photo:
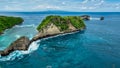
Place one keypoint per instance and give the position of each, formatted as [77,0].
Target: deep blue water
[97,47]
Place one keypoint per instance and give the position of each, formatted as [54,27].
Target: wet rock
[85,17]
[20,44]
[101,18]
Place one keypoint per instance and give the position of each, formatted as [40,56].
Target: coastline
[8,22]
[49,30]
[57,34]
[9,28]
[7,51]
[94,45]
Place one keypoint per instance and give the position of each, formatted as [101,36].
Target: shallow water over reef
[97,47]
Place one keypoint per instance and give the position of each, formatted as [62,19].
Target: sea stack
[101,18]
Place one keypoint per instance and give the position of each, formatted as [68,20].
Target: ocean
[96,47]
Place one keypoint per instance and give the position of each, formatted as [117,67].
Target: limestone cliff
[50,26]
[54,25]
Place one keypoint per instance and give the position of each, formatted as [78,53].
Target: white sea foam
[60,35]
[19,54]
[34,46]
[19,26]
[94,18]
[32,25]
[17,36]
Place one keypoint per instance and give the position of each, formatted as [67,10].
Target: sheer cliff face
[55,25]
[48,30]
[51,26]
[52,29]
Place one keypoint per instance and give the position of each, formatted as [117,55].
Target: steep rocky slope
[54,25]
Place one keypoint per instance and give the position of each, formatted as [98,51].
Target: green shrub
[62,22]
[8,22]
[76,21]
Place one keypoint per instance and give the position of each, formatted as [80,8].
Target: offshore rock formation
[55,25]
[50,26]
[101,18]
[85,17]
[20,44]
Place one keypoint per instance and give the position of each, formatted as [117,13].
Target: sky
[63,5]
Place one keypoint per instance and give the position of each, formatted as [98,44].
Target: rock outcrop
[101,18]
[50,26]
[72,24]
[52,30]
[20,44]
[85,17]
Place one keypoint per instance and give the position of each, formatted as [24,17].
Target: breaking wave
[33,46]
[32,25]
[19,54]
[94,18]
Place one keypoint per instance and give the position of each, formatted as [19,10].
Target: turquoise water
[96,47]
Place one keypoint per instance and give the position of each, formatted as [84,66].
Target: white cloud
[12,8]
[46,7]
[117,7]
[87,8]
[83,7]
[66,5]
[85,1]
[93,0]
[92,8]
[63,3]
[52,7]
[100,3]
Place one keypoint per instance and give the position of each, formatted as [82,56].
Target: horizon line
[56,11]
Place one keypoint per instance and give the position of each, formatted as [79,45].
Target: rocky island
[50,26]
[7,22]
[54,25]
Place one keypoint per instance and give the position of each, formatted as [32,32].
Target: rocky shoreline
[20,44]
[23,43]
[7,22]
[51,29]
[38,38]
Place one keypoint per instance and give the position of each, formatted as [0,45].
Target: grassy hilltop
[8,22]
[62,22]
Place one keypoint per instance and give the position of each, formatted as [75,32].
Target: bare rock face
[56,25]
[85,17]
[20,44]
[50,26]
[52,30]
[101,18]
